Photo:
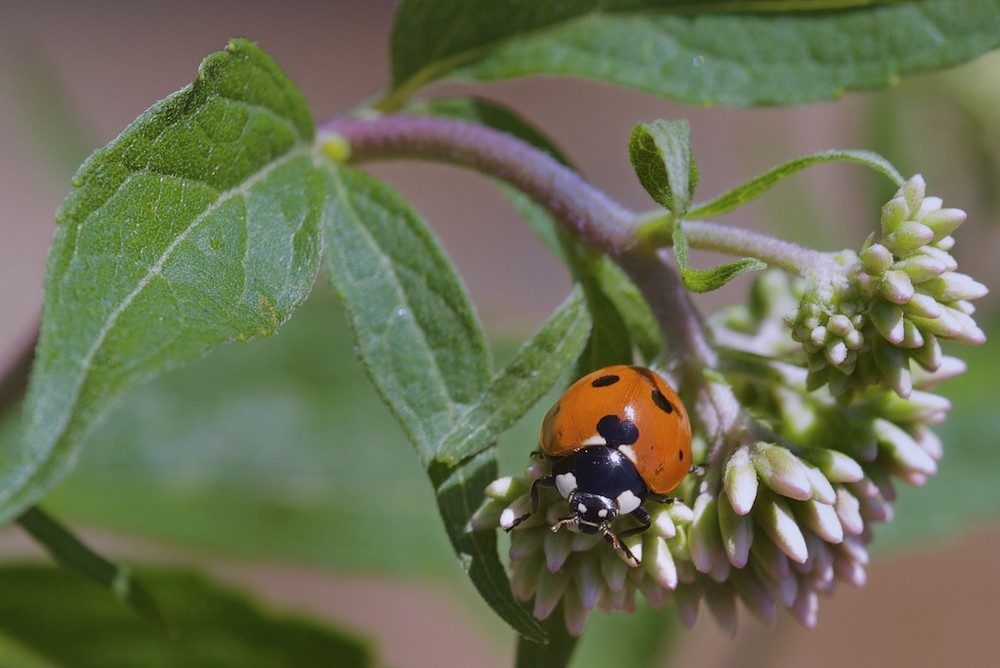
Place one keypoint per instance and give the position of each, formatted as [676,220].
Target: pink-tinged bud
[777,520]
[822,518]
[550,591]
[953,286]
[894,212]
[922,266]
[876,259]
[943,221]
[888,320]
[740,481]
[703,536]
[557,546]
[908,237]
[848,510]
[659,563]
[736,532]
[505,489]
[836,466]
[782,471]
[896,287]
[904,451]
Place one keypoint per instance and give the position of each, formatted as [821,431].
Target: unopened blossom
[891,303]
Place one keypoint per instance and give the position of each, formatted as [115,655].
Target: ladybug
[617,437]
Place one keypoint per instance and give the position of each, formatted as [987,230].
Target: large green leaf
[56,619]
[197,225]
[713,52]
[416,332]
[423,348]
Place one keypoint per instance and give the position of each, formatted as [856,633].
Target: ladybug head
[591,512]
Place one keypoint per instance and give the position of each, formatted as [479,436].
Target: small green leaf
[713,52]
[661,156]
[759,185]
[196,226]
[67,622]
[74,556]
[515,389]
[706,280]
[417,335]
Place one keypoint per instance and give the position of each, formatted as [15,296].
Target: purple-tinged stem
[587,211]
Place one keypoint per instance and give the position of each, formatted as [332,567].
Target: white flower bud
[904,451]
[505,489]
[822,518]
[908,237]
[848,510]
[888,320]
[779,524]
[782,471]
[953,286]
[922,266]
[876,259]
[943,221]
[896,287]
[740,481]
[836,466]
[736,531]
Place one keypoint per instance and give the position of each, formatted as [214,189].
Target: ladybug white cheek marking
[596,439]
[566,484]
[627,502]
[602,513]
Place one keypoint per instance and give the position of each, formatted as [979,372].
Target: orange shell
[662,452]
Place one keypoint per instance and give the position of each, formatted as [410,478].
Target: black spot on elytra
[680,455]
[661,402]
[604,381]
[617,431]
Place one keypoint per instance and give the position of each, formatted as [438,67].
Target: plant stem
[582,209]
[775,252]
[585,210]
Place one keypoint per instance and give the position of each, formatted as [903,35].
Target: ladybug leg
[616,542]
[548,481]
[642,515]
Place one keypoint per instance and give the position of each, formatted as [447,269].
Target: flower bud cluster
[582,571]
[801,464]
[891,303]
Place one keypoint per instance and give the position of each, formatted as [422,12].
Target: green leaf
[706,280]
[416,333]
[759,185]
[459,491]
[196,226]
[661,156]
[556,653]
[534,370]
[66,622]
[423,349]
[735,53]
[268,450]
[73,555]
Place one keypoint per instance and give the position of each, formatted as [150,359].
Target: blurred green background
[273,468]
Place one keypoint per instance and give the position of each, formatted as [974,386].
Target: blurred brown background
[111,60]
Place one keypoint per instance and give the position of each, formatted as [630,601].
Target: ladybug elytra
[617,437]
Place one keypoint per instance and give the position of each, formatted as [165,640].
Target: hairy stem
[738,241]
[585,210]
